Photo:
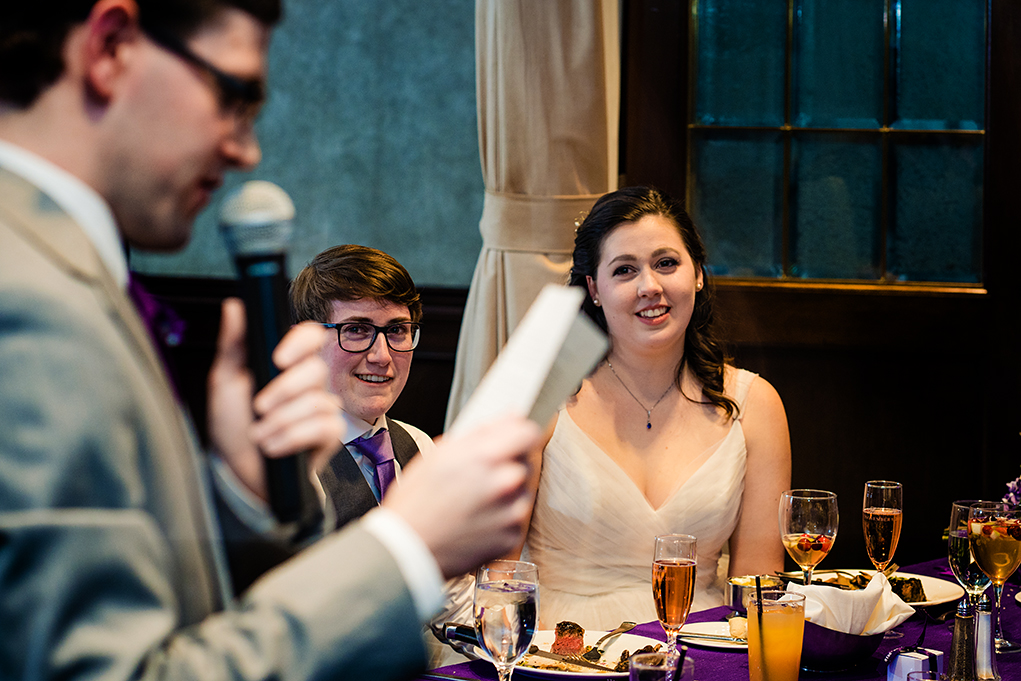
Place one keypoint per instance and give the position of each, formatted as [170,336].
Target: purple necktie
[165,328]
[380,452]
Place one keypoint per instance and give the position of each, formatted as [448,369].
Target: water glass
[506,609]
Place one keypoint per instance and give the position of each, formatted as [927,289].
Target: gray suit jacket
[110,557]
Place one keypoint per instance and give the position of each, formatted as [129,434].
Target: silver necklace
[648,412]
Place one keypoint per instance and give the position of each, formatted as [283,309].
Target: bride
[663,437]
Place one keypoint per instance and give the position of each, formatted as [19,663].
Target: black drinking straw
[681,652]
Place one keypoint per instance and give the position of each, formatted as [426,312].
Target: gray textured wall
[371,128]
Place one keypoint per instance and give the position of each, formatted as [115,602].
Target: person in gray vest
[370,301]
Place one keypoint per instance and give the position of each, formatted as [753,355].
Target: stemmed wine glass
[506,606]
[808,525]
[962,561]
[994,529]
[881,516]
[673,583]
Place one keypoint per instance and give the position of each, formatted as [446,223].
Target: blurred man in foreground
[118,119]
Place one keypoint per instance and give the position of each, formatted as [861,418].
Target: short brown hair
[32,34]
[351,272]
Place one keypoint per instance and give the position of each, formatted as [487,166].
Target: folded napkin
[872,610]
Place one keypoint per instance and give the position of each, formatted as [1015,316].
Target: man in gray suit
[118,119]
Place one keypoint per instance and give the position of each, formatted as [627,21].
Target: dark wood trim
[654,96]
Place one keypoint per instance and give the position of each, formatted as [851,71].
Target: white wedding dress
[592,529]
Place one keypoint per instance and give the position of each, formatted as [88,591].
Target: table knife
[578,661]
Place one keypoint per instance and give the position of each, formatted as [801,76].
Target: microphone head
[256,219]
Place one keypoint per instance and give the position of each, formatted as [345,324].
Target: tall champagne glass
[506,606]
[673,582]
[994,529]
[962,560]
[808,525]
[881,517]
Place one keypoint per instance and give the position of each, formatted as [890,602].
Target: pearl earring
[595,301]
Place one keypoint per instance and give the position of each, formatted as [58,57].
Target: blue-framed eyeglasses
[240,97]
[360,336]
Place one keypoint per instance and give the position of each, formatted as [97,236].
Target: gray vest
[345,485]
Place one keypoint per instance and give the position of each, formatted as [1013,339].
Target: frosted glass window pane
[741,62]
[937,229]
[736,200]
[835,207]
[838,57]
[940,64]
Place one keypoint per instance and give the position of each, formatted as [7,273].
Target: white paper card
[553,348]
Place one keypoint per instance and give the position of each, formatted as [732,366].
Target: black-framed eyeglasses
[360,336]
[241,97]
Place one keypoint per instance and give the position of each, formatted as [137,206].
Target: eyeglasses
[240,97]
[360,336]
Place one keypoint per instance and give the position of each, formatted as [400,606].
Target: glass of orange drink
[775,633]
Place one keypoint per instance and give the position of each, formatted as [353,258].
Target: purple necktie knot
[379,450]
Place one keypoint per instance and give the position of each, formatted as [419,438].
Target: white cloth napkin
[872,610]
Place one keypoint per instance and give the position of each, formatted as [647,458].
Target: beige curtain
[548,75]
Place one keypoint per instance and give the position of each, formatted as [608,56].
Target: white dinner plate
[937,590]
[713,628]
[544,639]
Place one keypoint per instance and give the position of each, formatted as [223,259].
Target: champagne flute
[881,517]
[506,606]
[962,560]
[673,583]
[808,525]
[994,529]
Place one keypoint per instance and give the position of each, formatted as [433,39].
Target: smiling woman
[664,436]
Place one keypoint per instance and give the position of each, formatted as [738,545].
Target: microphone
[255,221]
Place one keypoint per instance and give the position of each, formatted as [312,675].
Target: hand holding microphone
[256,223]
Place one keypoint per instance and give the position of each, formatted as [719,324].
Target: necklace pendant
[648,425]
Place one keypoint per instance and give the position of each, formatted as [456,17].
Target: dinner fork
[594,653]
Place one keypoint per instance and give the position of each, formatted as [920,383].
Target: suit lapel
[41,221]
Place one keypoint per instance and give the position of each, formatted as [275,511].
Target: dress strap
[742,386]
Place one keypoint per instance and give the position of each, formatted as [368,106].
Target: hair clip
[580,219]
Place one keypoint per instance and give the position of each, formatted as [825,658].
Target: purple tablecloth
[720,665]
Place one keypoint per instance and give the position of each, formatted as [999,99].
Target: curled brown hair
[704,353]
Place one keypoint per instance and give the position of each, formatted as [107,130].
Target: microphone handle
[264,290]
